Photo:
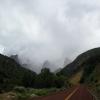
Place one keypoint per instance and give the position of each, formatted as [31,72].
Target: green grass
[21,93]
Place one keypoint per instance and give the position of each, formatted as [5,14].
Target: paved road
[76,93]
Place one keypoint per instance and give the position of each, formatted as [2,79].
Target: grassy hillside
[12,74]
[85,69]
[86,61]
[78,63]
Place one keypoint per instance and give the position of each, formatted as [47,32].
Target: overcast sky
[49,29]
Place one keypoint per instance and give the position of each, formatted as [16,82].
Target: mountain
[91,57]
[67,61]
[15,57]
[51,65]
[13,74]
[47,64]
[58,70]
[27,63]
[87,65]
[85,69]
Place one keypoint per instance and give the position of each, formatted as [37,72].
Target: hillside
[85,69]
[88,62]
[83,61]
[12,74]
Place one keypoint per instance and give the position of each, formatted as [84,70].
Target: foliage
[47,79]
[12,75]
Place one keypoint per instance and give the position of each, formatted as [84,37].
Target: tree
[45,79]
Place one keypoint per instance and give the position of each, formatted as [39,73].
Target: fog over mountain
[40,30]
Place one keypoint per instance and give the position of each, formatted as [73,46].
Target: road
[76,93]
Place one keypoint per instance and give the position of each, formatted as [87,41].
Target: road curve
[76,93]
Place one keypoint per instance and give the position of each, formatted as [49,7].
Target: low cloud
[52,30]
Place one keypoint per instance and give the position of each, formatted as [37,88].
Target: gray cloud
[52,30]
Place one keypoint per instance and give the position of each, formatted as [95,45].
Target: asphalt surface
[75,93]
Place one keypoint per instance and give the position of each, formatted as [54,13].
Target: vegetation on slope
[18,83]
[14,75]
[89,64]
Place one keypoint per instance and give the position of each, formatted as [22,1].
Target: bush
[19,89]
[23,96]
[98,88]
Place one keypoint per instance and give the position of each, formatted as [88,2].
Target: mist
[53,30]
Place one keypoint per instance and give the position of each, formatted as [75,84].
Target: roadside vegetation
[18,83]
[21,93]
